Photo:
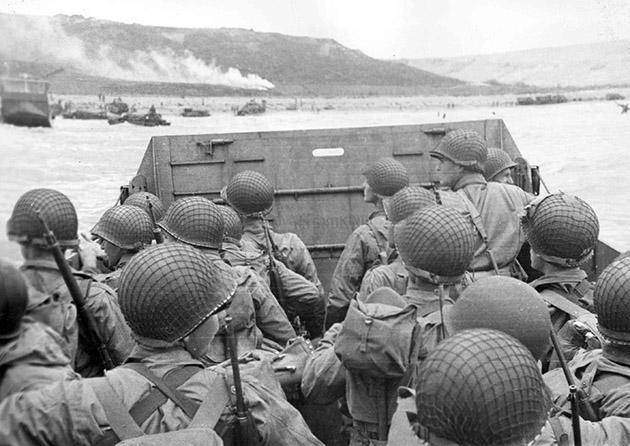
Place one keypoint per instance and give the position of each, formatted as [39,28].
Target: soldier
[604,374]
[498,167]
[462,155]
[301,297]
[171,295]
[251,195]
[485,377]
[142,200]
[42,273]
[368,244]
[198,222]
[122,231]
[31,353]
[562,231]
[394,275]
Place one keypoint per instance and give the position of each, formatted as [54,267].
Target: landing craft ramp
[317,174]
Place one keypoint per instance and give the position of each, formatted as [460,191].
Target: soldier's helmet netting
[482,387]
[127,227]
[249,193]
[142,200]
[196,221]
[407,201]
[387,176]
[498,160]
[13,300]
[612,301]
[168,290]
[463,147]
[508,305]
[561,228]
[233,230]
[436,239]
[54,207]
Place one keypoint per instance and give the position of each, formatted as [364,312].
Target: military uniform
[100,300]
[112,279]
[394,275]
[301,296]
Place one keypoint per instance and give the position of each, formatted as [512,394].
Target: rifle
[86,318]
[245,432]
[157,234]
[576,393]
[275,283]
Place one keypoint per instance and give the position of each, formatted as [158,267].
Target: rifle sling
[562,303]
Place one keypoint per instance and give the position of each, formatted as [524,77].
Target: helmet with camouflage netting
[463,147]
[127,227]
[498,160]
[55,208]
[505,304]
[562,229]
[233,230]
[612,301]
[437,243]
[407,201]
[142,200]
[481,387]
[168,290]
[13,300]
[249,193]
[386,176]
[196,221]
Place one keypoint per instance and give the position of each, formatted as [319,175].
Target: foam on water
[581,148]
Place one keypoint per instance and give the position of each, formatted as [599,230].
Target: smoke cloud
[44,39]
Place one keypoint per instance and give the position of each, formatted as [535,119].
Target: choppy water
[581,147]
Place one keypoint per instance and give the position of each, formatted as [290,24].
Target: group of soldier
[199,324]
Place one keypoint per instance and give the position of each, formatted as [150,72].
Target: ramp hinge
[208,146]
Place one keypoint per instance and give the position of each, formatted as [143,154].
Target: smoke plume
[34,39]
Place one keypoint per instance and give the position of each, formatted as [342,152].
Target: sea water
[582,148]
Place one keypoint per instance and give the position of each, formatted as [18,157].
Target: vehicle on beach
[85,114]
[252,108]
[146,120]
[25,102]
[194,113]
[542,100]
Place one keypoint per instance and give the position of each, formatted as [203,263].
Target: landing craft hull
[25,102]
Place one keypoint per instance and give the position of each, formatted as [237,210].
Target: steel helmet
[463,147]
[196,221]
[505,304]
[386,177]
[13,300]
[249,192]
[562,229]
[168,290]
[142,200]
[233,230]
[481,387]
[54,207]
[127,227]
[612,301]
[408,200]
[498,160]
[438,240]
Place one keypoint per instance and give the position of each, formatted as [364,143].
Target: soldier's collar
[469,178]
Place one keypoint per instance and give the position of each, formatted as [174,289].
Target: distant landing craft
[624,107]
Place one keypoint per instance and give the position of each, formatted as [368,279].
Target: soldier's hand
[89,251]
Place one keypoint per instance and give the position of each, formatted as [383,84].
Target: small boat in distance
[24,102]
[195,113]
[252,108]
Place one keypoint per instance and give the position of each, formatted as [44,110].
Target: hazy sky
[383,29]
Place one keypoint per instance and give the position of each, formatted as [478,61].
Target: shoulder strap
[561,436]
[117,415]
[381,242]
[557,300]
[188,406]
[212,406]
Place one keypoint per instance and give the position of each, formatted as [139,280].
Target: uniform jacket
[101,301]
[394,275]
[112,279]
[33,359]
[302,297]
[500,207]
[255,314]
[360,254]
[69,412]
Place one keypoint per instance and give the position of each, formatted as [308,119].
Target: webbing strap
[562,303]
[212,407]
[117,415]
[381,243]
[143,408]
[184,403]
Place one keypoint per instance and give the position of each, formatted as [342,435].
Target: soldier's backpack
[378,339]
